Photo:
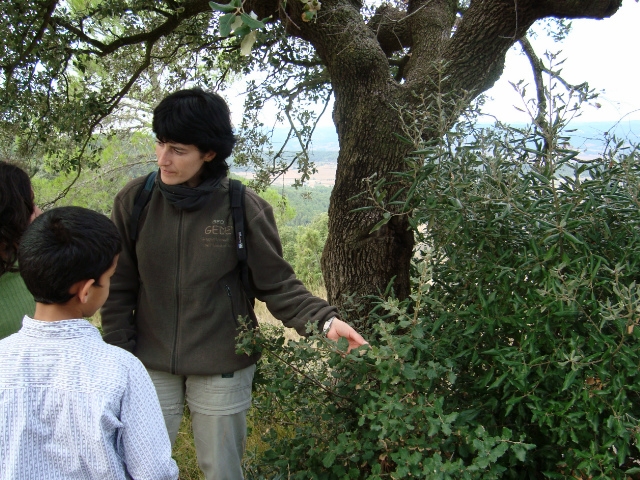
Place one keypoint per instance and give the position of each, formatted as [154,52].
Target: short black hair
[63,246]
[196,117]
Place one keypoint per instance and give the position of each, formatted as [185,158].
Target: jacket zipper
[174,353]
[233,312]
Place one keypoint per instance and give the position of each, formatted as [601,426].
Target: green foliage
[515,356]
[84,67]
[120,159]
[311,8]
[302,248]
[535,258]
[235,20]
[308,203]
[71,71]
[282,210]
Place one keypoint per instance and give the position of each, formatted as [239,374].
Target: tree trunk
[356,261]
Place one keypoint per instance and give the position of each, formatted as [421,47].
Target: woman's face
[180,163]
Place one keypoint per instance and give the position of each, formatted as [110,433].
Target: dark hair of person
[63,246]
[196,117]
[16,208]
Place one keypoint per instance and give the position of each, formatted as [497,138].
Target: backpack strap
[236,192]
[142,198]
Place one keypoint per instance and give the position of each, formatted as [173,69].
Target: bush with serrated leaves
[517,353]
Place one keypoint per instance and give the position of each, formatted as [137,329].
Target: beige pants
[218,407]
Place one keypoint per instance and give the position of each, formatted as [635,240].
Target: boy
[71,406]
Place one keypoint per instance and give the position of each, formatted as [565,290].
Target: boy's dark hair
[16,208]
[196,117]
[64,246]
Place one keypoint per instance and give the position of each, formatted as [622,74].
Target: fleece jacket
[15,303]
[177,293]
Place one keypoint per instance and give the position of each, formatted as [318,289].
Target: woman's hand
[341,329]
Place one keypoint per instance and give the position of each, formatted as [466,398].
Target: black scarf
[188,198]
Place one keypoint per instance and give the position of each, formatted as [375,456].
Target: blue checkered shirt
[73,407]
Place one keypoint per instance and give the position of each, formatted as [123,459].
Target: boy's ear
[210,155]
[81,289]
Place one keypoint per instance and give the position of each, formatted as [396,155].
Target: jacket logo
[218,230]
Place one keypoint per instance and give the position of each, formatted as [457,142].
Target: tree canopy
[75,68]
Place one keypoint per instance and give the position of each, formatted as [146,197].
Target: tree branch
[10,67]
[44,24]
[431,22]
[191,9]
[115,100]
[538,68]
[477,49]
[597,9]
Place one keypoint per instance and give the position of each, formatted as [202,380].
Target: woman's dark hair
[16,208]
[196,117]
[63,246]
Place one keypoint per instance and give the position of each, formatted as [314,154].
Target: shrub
[517,353]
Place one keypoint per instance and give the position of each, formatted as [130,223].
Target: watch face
[327,325]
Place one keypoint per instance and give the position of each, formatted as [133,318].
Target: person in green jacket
[177,292]
[17,211]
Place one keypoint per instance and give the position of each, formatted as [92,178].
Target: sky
[605,53]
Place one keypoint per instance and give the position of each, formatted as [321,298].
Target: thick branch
[391,29]
[108,48]
[475,54]
[481,41]
[431,22]
[597,9]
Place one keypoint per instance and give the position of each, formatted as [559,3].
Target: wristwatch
[327,325]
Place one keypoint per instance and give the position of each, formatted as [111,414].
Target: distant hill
[587,137]
[325,138]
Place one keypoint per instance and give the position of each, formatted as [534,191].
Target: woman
[17,211]
[177,292]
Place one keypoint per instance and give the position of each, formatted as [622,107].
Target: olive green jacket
[15,303]
[177,294]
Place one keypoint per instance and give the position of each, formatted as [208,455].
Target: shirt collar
[59,329]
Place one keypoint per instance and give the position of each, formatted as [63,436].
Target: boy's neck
[56,312]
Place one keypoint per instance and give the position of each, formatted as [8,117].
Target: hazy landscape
[587,137]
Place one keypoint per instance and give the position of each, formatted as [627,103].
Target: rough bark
[354,260]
